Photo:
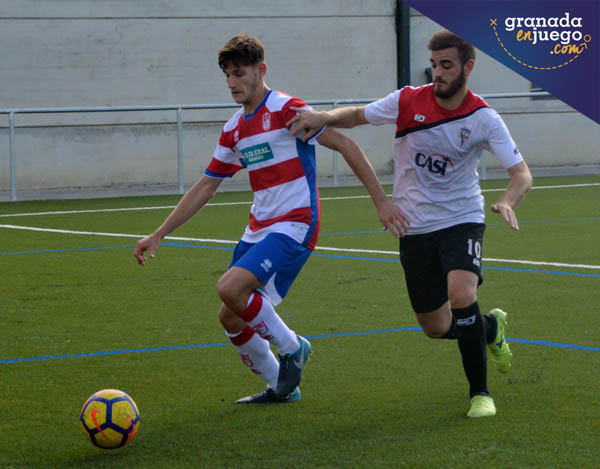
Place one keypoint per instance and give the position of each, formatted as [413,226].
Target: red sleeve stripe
[218,167]
[276,174]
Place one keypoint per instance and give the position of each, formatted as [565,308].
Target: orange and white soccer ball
[110,418]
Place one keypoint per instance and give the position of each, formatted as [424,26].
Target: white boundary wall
[151,52]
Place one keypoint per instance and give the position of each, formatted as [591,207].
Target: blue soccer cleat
[268,396]
[291,367]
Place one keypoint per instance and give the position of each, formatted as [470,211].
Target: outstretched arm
[313,121]
[520,183]
[190,204]
[391,217]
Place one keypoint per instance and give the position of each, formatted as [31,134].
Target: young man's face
[243,81]
[448,73]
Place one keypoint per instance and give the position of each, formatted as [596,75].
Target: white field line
[114,235]
[218,204]
[321,248]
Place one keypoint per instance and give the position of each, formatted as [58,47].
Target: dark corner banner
[553,43]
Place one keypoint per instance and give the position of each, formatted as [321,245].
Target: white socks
[256,354]
[261,316]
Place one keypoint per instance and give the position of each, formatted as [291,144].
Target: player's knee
[434,325]
[226,291]
[462,297]
[434,332]
[231,295]
[228,319]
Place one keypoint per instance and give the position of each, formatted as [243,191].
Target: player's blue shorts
[276,261]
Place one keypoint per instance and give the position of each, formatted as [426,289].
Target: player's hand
[393,219]
[309,122]
[507,213]
[149,243]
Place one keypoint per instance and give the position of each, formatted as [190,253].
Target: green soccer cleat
[481,406]
[268,396]
[500,352]
[291,367]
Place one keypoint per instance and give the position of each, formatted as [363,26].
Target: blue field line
[331,256]
[492,223]
[550,220]
[383,259]
[485,267]
[114,352]
[538,271]
[182,244]
[317,336]
[358,258]
[46,251]
[353,233]
[553,344]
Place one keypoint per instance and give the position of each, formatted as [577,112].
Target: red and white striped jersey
[436,152]
[281,168]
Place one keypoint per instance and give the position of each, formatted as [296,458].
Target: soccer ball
[110,419]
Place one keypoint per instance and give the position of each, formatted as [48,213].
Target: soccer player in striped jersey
[441,130]
[284,218]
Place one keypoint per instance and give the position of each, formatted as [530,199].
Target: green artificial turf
[376,391]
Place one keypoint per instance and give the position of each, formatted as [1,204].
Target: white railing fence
[179,111]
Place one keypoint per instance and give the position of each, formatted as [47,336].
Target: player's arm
[391,217]
[313,121]
[190,204]
[519,185]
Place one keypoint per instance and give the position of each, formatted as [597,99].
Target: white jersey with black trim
[436,153]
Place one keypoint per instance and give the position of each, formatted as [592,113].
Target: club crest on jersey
[464,136]
[266,121]
[436,163]
[419,118]
[257,153]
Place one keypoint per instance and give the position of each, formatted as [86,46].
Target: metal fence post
[334,161]
[13,157]
[179,152]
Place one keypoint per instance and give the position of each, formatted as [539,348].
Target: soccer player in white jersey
[441,131]
[284,218]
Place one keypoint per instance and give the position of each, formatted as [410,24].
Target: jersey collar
[251,115]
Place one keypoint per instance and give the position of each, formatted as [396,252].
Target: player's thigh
[276,261]
[237,281]
[426,281]
[462,288]
[460,253]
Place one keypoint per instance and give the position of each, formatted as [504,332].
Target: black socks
[472,340]
[489,322]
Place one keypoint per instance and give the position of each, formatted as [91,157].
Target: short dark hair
[241,49]
[444,39]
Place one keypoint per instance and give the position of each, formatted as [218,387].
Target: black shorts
[427,259]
